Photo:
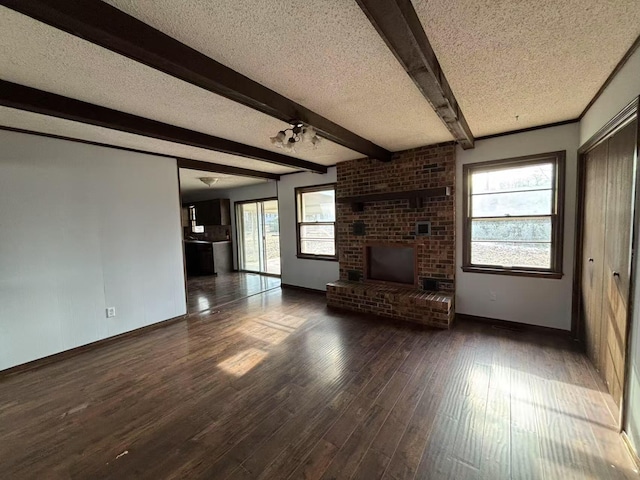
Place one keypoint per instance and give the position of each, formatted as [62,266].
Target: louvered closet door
[593,249]
[619,208]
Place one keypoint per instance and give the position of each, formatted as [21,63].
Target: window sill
[515,272]
[317,257]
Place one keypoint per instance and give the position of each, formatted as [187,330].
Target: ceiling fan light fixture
[297,134]
[290,145]
[308,133]
[279,138]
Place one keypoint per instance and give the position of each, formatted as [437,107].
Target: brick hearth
[428,308]
[393,222]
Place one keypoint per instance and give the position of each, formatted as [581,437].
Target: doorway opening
[213,278]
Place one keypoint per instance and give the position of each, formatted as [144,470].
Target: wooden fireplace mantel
[415,197]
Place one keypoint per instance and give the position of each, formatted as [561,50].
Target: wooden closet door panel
[593,250]
[619,210]
[615,313]
[620,204]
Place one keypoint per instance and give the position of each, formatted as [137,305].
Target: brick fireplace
[395,226]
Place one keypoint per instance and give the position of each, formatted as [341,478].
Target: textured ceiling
[190,181]
[542,61]
[54,61]
[10,117]
[324,55]
[539,61]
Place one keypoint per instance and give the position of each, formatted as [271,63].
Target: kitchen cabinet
[212,212]
[199,258]
[223,257]
[207,258]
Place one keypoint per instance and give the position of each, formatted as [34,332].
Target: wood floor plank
[276,386]
[439,455]
[348,458]
[526,455]
[314,466]
[210,291]
[387,439]
[598,434]
[408,453]
[496,442]
[470,434]
[313,460]
[376,378]
[371,467]
[376,400]
[260,463]
[296,452]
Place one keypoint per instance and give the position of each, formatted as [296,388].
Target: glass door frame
[261,235]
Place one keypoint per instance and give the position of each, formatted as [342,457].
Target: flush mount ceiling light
[208,181]
[296,134]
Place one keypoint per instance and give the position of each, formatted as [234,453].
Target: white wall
[298,271]
[535,301]
[83,228]
[632,400]
[624,87]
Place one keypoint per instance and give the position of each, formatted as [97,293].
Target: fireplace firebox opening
[391,263]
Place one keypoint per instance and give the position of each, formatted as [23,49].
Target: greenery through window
[513,215]
[316,217]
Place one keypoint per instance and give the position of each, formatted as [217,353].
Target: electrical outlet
[492,296]
[111,312]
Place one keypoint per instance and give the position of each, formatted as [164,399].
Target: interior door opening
[258,229]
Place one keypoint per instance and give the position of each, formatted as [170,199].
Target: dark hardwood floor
[211,291]
[276,386]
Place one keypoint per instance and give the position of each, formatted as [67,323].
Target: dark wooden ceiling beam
[226,169]
[33,100]
[398,24]
[104,25]
[182,162]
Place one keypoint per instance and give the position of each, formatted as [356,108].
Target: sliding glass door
[249,237]
[258,236]
[271,231]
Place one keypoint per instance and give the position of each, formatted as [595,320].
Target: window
[514,216]
[316,218]
[195,228]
